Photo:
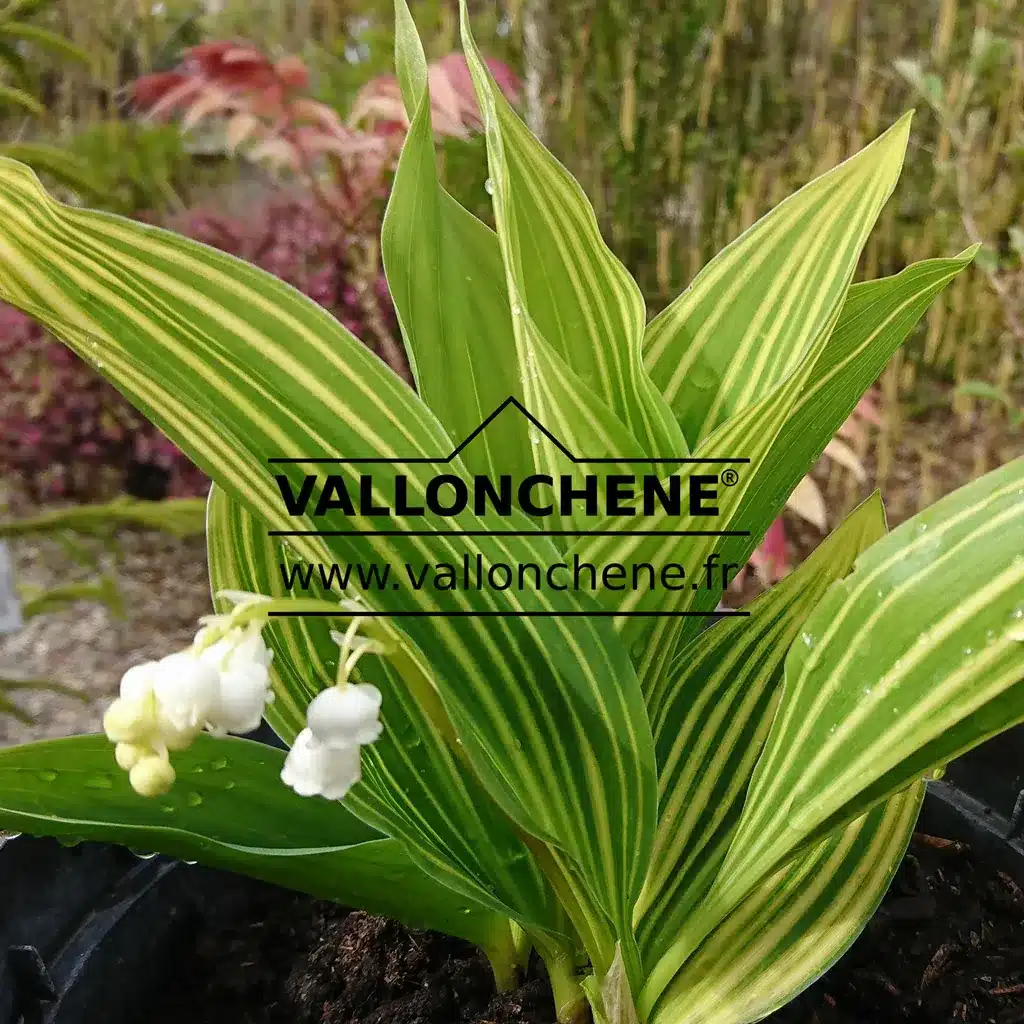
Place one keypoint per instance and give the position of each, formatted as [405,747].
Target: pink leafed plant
[267,112]
[62,425]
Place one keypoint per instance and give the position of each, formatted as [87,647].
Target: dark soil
[947,945]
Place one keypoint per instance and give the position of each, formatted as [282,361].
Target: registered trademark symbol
[730,477]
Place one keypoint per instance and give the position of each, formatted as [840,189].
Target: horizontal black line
[442,460]
[509,533]
[512,615]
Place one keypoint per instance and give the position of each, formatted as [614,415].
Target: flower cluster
[220,684]
[325,758]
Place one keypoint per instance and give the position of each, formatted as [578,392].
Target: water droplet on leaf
[193,799]
[489,186]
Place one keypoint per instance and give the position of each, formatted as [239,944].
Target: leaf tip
[968,255]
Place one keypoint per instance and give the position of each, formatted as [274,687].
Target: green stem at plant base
[522,941]
[570,1000]
[595,935]
[504,958]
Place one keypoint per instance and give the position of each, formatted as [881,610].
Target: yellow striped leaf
[447,280]
[721,696]
[906,664]
[578,295]
[796,924]
[782,434]
[751,314]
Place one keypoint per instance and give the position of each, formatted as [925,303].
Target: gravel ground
[163,583]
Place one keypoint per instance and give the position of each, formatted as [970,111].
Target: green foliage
[22,40]
[982,389]
[134,166]
[705,819]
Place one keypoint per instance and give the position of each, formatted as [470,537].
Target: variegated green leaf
[783,435]
[795,925]
[231,811]
[447,280]
[909,662]
[749,317]
[579,297]
[721,695]
[413,787]
[237,367]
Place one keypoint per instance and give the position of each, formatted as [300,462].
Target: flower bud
[343,715]
[128,721]
[151,776]
[128,755]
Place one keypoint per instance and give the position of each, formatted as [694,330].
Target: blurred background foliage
[683,121]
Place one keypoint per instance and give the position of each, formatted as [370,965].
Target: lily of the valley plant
[686,825]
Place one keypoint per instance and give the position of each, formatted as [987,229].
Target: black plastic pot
[87,933]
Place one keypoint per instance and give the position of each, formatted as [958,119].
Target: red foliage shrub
[62,425]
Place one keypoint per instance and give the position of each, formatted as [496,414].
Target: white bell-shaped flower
[242,662]
[345,715]
[186,689]
[313,769]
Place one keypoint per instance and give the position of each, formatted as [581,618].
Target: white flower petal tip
[128,755]
[312,769]
[151,776]
[186,689]
[137,682]
[340,716]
